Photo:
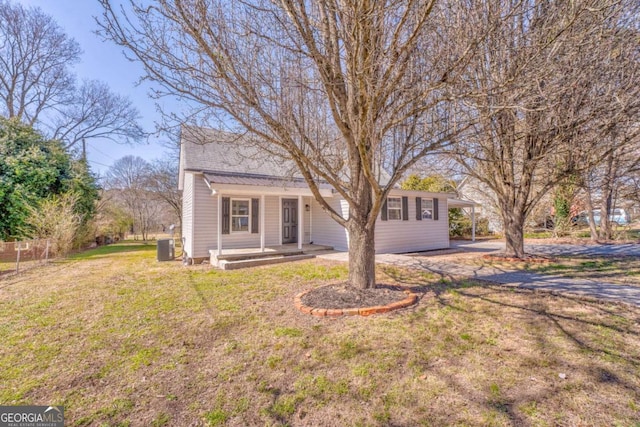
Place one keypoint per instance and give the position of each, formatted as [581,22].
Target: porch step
[256,255]
[226,264]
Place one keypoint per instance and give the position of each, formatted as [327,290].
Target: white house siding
[205,227]
[398,236]
[187,212]
[325,231]
[272,221]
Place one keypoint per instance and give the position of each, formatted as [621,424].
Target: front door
[289,221]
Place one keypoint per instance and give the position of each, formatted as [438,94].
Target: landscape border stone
[410,299]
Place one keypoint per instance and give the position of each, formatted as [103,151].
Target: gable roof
[209,150]
[238,157]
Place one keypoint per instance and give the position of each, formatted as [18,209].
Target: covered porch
[258,217]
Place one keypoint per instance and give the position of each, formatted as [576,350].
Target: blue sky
[105,61]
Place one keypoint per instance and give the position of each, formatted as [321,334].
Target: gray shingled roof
[259,180]
[208,150]
[213,151]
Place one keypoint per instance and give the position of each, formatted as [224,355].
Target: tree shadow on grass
[608,364]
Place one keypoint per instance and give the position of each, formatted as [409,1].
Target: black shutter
[419,208]
[405,208]
[384,210]
[255,210]
[226,214]
[435,209]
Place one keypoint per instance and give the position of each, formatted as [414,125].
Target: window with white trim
[394,208]
[427,209]
[240,215]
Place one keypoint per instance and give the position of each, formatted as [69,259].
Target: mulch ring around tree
[345,300]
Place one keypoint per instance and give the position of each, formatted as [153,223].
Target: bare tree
[146,191]
[38,86]
[342,88]
[608,183]
[163,183]
[96,112]
[127,179]
[36,57]
[541,101]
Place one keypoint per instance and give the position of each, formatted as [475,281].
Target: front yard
[122,340]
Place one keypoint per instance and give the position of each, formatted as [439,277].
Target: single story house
[235,197]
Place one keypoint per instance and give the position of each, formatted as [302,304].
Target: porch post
[219,244]
[300,223]
[473,223]
[262,209]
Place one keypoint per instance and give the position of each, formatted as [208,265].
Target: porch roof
[459,203]
[261,184]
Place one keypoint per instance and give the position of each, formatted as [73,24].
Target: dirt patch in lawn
[528,258]
[343,295]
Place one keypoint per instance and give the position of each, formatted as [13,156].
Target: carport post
[473,223]
[219,224]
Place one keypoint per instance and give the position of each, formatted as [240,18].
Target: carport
[460,203]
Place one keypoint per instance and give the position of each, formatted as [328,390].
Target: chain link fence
[17,256]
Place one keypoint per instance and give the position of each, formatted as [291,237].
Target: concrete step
[226,264]
[256,255]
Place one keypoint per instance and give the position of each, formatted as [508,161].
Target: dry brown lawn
[122,340]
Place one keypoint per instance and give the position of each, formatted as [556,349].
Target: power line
[93,147]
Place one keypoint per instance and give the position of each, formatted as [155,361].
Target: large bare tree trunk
[513,232]
[362,252]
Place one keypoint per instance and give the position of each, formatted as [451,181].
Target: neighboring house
[237,197]
[473,189]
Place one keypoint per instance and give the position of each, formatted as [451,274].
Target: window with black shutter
[226,215]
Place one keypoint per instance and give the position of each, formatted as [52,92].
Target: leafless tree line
[146,193]
[553,93]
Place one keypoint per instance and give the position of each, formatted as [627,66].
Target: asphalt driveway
[556,284]
[626,249]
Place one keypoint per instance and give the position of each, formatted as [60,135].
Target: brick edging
[410,299]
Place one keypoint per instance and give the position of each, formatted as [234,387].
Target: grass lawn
[122,340]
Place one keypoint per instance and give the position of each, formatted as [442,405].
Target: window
[240,215]
[427,209]
[394,208]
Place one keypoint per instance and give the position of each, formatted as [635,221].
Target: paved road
[520,279]
[627,249]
